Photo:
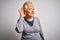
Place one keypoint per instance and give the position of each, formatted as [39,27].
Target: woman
[27,24]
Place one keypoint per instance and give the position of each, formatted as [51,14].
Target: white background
[48,12]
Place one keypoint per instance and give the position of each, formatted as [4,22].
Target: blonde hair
[26,3]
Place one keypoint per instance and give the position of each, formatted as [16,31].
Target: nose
[33,11]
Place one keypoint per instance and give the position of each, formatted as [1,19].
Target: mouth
[32,12]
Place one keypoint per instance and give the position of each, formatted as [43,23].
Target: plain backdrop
[48,12]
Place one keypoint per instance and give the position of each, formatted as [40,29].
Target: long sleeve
[19,25]
[40,32]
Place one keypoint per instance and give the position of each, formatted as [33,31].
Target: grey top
[29,22]
[29,32]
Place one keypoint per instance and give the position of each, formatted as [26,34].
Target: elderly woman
[29,25]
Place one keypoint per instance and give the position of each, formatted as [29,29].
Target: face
[29,11]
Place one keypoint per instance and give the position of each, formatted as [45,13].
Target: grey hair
[26,3]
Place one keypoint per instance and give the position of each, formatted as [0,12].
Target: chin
[32,15]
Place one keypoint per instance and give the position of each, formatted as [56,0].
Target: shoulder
[20,19]
[36,18]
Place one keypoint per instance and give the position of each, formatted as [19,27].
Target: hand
[21,11]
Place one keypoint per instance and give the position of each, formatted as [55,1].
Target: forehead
[29,5]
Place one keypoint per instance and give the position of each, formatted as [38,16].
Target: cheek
[30,11]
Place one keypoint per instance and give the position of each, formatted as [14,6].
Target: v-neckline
[33,22]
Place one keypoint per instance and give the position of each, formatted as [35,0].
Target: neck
[29,18]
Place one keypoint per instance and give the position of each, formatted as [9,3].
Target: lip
[32,12]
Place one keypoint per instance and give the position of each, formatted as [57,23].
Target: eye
[29,8]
